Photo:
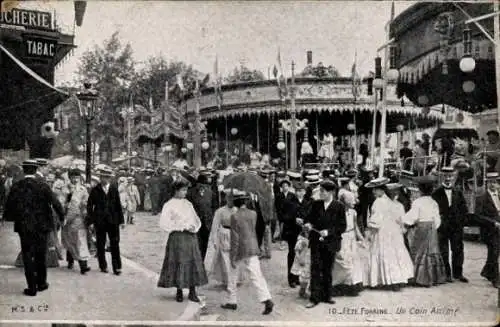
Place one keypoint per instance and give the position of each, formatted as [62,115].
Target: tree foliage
[320,71]
[111,68]
[243,74]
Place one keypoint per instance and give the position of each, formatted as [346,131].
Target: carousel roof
[428,36]
[322,95]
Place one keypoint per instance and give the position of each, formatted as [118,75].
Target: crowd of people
[344,229]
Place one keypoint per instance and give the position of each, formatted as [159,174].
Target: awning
[27,101]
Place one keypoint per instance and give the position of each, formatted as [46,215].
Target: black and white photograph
[253,163]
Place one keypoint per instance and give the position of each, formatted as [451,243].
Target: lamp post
[87,105]
[293,130]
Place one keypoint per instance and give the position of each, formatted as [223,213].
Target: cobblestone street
[456,302]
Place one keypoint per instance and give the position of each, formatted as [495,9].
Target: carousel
[326,109]
[453,62]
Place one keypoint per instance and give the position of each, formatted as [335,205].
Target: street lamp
[467,63]
[87,105]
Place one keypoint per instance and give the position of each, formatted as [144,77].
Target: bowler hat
[377,182]
[299,186]
[285,181]
[328,185]
[425,180]
[73,172]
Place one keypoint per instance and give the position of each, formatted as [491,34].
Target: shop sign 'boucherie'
[29,19]
[40,47]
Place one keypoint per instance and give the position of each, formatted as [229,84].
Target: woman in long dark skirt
[182,266]
[423,240]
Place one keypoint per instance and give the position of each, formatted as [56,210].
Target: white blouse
[179,215]
[423,209]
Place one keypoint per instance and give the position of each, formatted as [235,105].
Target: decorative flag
[180,83]
[218,84]
[166,91]
[150,103]
[356,79]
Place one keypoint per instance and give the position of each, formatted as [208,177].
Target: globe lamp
[467,64]
[281,146]
[234,131]
[134,153]
[378,83]
[351,127]
[468,86]
[400,128]
[393,75]
[189,146]
[183,150]
[168,147]
[205,145]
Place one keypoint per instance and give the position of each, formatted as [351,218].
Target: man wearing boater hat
[487,210]
[29,205]
[453,210]
[105,212]
[326,221]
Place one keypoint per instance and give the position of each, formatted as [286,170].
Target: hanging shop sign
[41,48]
[30,19]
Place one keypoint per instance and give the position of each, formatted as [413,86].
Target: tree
[243,74]
[111,67]
[320,71]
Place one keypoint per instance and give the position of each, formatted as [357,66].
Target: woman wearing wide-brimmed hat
[423,241]
[74,231]
[390,264]
[183,266]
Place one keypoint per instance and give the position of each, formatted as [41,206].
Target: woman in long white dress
[217,261]
[390,264]
[347,277]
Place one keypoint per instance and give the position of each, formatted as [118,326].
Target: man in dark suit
[453,210]
[105,213]
[487,212]
[29,205]
[200,195]
[326,222]
[287,213]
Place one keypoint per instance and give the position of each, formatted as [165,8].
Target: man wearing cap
[494,146]
[105,212]
[29,205]
[453,209]
[244,254]
[487,210]
[327,222]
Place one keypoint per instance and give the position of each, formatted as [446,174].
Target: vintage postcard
[249,163]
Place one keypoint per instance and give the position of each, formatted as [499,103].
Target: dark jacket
[454,217]
[104,208]
[487,215]
[29,205]
[201,197]
[332,219]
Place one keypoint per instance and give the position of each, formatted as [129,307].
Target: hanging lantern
[378,83]
[183,150]
[469,86]
[467,63]
[351,127]
[189,146]
[423,100]
[205,145]
[370,86]
[400,128]
[443,109]
[234,131]
[168,147]
[281,145]
[134,153]
[393,73]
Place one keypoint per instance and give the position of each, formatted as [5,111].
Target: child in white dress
[302,263]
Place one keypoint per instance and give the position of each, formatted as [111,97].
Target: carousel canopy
[429,41]
[332,98]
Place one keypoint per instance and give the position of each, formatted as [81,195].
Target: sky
[237,32]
